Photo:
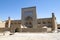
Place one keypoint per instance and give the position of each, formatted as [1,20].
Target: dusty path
[32,36]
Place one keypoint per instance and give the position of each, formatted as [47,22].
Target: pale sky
[44,8]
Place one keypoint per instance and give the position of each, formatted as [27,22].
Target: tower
[54,24]
[9,22]
[29,19]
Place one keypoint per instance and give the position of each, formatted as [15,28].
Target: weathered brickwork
[30,23]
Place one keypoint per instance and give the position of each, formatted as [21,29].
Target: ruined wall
[33,30]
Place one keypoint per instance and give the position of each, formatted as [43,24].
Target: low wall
[2,29]
[33,30]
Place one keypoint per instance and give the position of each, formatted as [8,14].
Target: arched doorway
[17,30]
[28,22]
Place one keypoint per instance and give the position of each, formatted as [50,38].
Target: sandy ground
[31,36]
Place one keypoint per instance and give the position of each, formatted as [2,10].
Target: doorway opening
[17,30]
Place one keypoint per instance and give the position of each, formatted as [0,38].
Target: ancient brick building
[30,23]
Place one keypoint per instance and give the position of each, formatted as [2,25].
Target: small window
[58,25]
[39,22]
[58,28]
[44,22]
[30,23]
[19,23]
[49,22]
